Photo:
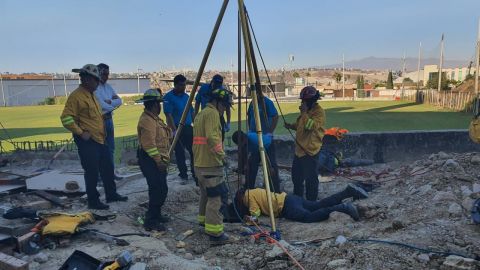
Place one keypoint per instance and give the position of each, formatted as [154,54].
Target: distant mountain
[377,63]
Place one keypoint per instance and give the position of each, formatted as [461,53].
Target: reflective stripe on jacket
[154,137]
[82,112]
[207,138]
[310,130]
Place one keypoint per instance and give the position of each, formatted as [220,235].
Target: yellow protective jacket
[207,138]
[256,200]
[154,137]
[82,112]
[63,223]
[310,130]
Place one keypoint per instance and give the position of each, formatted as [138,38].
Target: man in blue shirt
[268,120]
[202,98]
[109,101]
[174,102]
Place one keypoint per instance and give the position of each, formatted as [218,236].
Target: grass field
[43,123]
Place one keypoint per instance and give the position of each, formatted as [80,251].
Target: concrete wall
[392,146]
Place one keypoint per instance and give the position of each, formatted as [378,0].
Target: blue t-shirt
[203,93]
[271,112]
[174,105]
[253,141]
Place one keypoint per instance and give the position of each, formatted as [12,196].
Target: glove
[225,162]
[162,167]
[227,127]
[251,220]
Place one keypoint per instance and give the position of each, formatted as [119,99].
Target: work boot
[356,192]
[151,225]
[349,209]
[222,240]
[98,205]
[163,219]
[184,178]
[117,198]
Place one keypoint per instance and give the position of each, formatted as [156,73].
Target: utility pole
[138,80]
[343,76]
[403,75]
[418,66]
[53,85]
[3,93]
[440,69]
[477,59]
[65,83]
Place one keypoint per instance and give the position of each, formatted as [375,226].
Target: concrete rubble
[423,203]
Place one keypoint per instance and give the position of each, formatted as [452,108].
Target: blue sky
[54,35]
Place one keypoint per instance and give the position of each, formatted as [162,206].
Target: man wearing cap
[203,97]
[109,101]
[153,157]
[82,115]
[209,160]
[174,102]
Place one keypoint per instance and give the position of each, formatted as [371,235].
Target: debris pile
[417,217]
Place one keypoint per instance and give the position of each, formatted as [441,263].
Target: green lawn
[43,122]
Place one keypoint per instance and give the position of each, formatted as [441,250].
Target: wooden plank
[49,197]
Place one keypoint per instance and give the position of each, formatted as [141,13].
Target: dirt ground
[425,203]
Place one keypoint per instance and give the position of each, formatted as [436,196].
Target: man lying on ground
[252,203]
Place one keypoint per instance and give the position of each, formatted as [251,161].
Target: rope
[265,233]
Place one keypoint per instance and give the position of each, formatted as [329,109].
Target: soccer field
[33,123]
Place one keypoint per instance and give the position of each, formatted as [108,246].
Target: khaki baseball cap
[90,69]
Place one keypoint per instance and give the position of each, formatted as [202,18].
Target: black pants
[254,160]
[298,209]
[222,124]
[185,143]
[304,170]
[157,185]
[96,159]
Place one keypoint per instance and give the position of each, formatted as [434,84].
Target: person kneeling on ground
[254,203]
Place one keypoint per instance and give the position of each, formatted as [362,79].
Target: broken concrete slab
[457,262]
[57,181]
[8,262]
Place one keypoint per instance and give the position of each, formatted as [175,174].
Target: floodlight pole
[3,93]
[441,67]
[477,58]
[246,42]
[199,76]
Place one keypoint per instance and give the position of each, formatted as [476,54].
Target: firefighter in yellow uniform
[309,133]
[154,143]
[209,157]
[82,115]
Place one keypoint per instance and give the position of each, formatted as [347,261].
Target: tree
[407,80]
[337,77]
[433,81]
[390,80]
[360,82]
[296,75]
